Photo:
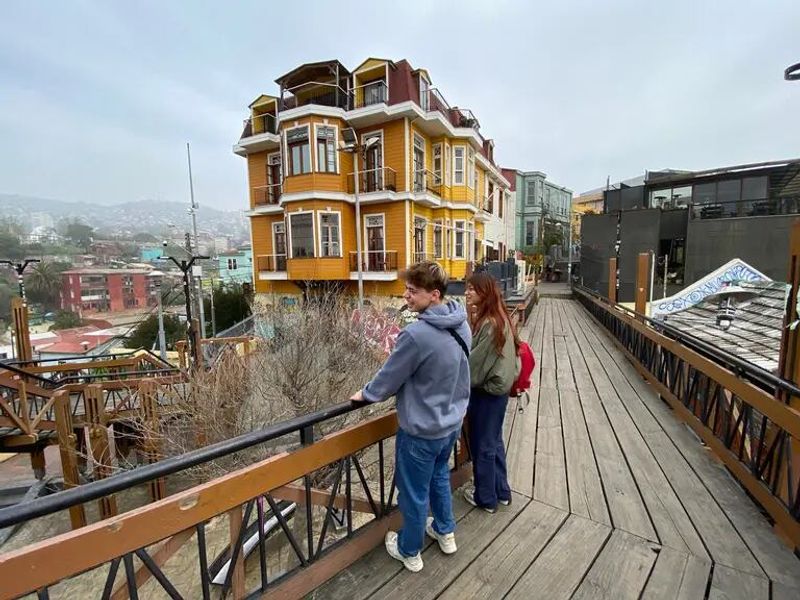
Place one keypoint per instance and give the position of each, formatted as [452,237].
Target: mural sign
[735,270]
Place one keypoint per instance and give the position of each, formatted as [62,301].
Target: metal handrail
[740,366]
[117,375]
[94,490]
[45,383]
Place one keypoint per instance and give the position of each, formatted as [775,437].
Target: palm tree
[43,284]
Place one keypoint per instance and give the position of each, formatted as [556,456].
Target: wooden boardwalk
[614,498]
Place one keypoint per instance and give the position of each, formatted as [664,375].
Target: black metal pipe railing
[40,507]
[117,375]
[740,366]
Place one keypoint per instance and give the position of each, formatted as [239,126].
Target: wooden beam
[67,445]
[642,281]
[612,280]
[22,334]
[100,450]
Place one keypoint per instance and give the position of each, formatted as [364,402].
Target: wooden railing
[338,491]
[741,412]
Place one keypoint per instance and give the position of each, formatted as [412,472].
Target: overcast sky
[97,99]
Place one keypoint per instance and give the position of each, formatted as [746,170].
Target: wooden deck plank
[625,504]
[363,577]
[621,570]
[521,448]
[782,591]
[496,569]
[673,525]
[560,567]
[586,496]
[677,576]
[730,584]
[550,468]
[476,531]
[774,557]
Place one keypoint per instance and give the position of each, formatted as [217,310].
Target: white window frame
[437,172]
[471,175]
[338,241]
[317,127]
[290,242]
[414,147]
[456,172]
[447,174]
[288,158]
[424,228]
[275,225]
[459,226]
[364,137]
[438,226]
[365,240]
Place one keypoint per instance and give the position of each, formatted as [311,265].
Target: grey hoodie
[428,372]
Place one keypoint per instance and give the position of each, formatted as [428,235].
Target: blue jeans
[485,415]
[422,476]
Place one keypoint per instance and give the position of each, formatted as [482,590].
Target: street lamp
[20,269]
[156,277]
[730,297]
[352,146]
[185,266]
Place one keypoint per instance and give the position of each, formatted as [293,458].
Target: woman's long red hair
[490,308]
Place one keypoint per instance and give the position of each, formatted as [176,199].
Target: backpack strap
[460,341]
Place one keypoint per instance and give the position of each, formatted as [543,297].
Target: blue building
[236,266]
[540,204]
[151,254]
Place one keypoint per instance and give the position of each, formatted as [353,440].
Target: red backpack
[527,363]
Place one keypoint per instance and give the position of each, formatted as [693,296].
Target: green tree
[80,234]
[43,283]
[10,246]
[66,319]
[231,305]
[145,238]
[146,333]
[7,292]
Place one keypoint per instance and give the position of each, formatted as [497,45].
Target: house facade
[107,290]
[539,204]
[236,266]
[428,186]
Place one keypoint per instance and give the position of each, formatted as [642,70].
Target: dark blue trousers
[485,416]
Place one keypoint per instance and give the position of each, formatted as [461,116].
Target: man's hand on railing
[357,399]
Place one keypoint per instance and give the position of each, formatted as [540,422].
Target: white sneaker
[447,541]
[412,563]
[469,496]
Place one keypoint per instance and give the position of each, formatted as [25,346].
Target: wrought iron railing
[314,92]
[739,410]
[258,124]
[374,261]
[266,195]
[332,489]
[373,180]
[375,92]
[427,181]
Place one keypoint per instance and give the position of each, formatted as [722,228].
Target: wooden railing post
[642,281]
[96,420]
[148,397]
[24,407]
[22,337]
[612,280]
[67,447]
[237,580]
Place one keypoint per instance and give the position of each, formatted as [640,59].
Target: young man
[428,371]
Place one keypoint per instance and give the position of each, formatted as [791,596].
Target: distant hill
[151,216]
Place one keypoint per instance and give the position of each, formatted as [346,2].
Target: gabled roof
[262,99]
[325,65]
[386,60]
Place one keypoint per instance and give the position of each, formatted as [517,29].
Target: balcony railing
[788,205]
[432,101]
[273,263]
[314,92]
[374,261]
[427,181]
[265,195]
[260,124]
[373,180]
[375,92]
[487,204]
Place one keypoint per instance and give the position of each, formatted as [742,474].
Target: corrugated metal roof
[754,335]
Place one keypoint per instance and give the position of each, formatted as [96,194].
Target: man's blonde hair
[427,275]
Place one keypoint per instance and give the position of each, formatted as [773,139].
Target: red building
[106,290]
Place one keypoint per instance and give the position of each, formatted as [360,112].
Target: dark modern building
[694,221]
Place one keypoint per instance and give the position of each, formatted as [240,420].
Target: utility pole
[193,212]
[186,266]
[19,268]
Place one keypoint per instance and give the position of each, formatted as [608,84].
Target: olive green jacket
[493,373]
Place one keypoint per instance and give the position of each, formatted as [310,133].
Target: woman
[493,368]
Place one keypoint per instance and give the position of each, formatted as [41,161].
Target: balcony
[267,195]
[271,266]
[433,101]
[369,94]
[788,205]
[375,265]
[260,124]
[427,181]
[315,92]
[380,179]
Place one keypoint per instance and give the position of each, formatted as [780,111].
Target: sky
[99,98]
